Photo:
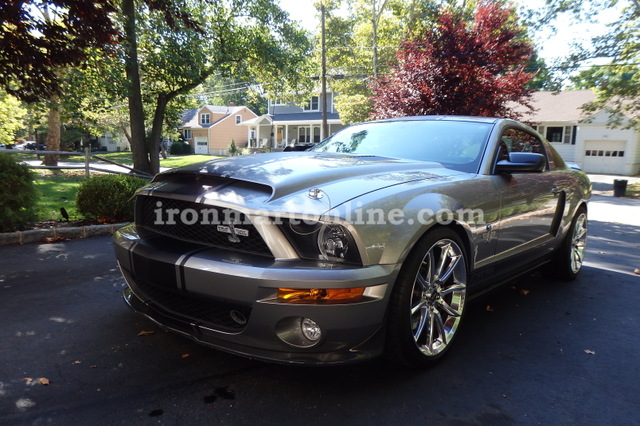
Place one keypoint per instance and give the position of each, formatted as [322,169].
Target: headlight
[322,241]
[333,242]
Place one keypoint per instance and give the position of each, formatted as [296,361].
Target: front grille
[152,215]
[194,308]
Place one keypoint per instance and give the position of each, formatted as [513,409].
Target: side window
[516,140]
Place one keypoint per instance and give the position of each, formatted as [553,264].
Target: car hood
[293,182]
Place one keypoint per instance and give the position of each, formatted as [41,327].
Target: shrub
[109,198]
[17,194]
[233,149]
[180,148]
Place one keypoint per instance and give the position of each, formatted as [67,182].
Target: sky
[550,46]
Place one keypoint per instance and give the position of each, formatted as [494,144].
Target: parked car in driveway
[370,243]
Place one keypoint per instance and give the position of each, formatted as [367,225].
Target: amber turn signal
[320,295]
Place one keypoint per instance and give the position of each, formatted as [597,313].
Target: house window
[620,153]
[555,134]
[313,104]
[316,134]
[186,133]
[303,134]
[568,135]
[205,118]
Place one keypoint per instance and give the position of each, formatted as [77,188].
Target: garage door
[202,146]
[604,157]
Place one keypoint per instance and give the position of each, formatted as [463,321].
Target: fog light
[299,332]
[310,329]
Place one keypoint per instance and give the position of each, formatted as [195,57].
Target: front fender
[388,223]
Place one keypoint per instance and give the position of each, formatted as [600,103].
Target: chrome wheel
[578,242]
[438,297]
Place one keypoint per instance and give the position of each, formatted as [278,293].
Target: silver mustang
[371,242]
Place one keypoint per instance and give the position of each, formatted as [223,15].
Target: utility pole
[325,128]
[375,39]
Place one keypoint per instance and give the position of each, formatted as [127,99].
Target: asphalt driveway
[532,352]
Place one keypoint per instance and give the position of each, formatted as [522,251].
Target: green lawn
[633,190]
[184,160]
[56,190]
[126,159]
[59,188]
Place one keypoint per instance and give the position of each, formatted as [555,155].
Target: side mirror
[522,162]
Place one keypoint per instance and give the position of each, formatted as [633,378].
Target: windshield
[454,144]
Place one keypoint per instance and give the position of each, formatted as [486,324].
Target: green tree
[543,78]
[243,38]
[363,44]
[218,90]
[617,85]
[12,116]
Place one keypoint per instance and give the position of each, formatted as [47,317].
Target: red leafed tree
[460,67]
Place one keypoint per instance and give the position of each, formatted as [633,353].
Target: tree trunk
[139,149]
[156,132]
[158,117]
[53,131]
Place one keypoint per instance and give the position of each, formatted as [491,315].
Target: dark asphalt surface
[533,352]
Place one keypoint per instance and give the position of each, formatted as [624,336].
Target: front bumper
[227,300]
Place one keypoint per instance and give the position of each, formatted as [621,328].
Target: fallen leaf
[145,332]
[524,292]
[636,271]
[226,392]
[602,252]
[27,379]
[589,351]
[76,362]
[183,356]
[489,308]
[93,366]
[44,381]
[55,240]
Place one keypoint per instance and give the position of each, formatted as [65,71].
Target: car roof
[491,120]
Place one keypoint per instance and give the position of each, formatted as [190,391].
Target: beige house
[210,129]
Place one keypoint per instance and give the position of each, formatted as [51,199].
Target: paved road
[533,352]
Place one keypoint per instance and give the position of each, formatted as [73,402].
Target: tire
[567,262]
[428,300]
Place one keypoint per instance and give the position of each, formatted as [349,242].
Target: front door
[528,200]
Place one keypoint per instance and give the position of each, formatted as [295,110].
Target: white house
[288,124]
[114,143]
[585,139]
